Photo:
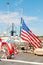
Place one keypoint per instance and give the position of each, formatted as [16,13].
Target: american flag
[27,35]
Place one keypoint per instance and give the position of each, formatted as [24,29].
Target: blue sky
[30,10]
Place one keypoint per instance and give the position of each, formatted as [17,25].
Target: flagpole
[20,26]
[22,11]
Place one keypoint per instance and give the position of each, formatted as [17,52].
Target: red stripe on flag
[33,43]
[35,37]
[30,37]
[24,39]
[30,43]
[24,34]
[33,40]
[36,40]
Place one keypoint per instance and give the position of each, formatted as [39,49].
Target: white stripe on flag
[26,34]
[29,36]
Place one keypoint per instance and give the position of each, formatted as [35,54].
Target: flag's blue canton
[24,27]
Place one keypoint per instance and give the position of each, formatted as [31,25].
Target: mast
[12,31]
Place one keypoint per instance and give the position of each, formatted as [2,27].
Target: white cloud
[30,18]
[14,18]
[10,18]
